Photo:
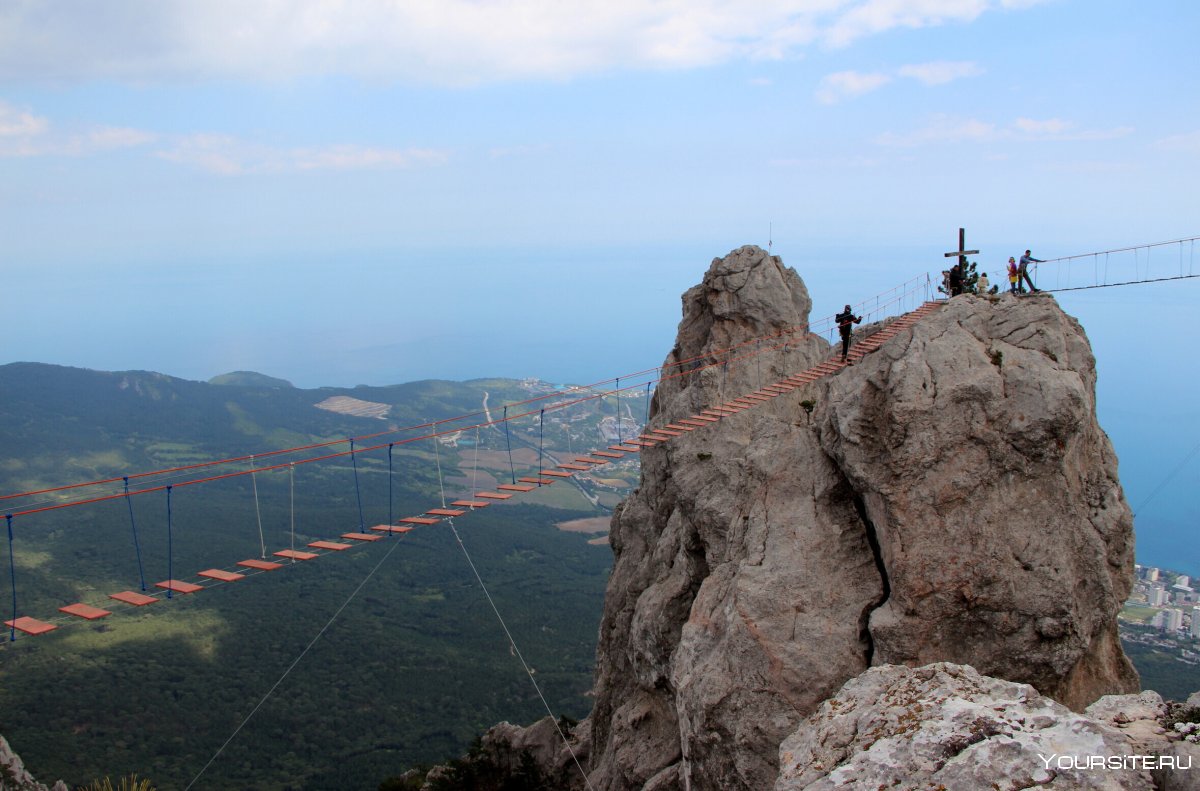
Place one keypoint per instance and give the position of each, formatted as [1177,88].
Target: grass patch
[1137,614]
[199,630]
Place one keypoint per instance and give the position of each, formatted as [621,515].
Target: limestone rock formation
[947,726]
[952,500]
[15,777]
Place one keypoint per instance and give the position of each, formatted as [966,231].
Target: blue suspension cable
[12,572]
[170,559]
[136,546]
[390,444]
[511,471]
[362,526]
[619,440]
[541,422]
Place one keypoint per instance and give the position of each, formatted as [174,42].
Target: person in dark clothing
[846,321]
[1023,270]
[956,280]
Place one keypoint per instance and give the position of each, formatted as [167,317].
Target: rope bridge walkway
[545,473]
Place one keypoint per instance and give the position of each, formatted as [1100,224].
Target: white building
[1183,581]
[1151,574]
[1173,620]
[1158,596]
[1195,630]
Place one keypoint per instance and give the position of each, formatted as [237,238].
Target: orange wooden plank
[262,565]
[363,536]
[641,443]
[590,460]
[224,576]
[417,520]
[445,512]
[493,496]
[706,418]
[134,598]
[695,423]
[556,473]
[676,427]
[626,448]
[336,546]
[30,625]
[576,467]
[391,528]
[178,586]
[471,503]
[538,481]
[295,554]
[516,487]
[609,455]
[84,611]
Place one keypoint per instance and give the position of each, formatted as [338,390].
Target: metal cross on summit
[962,252]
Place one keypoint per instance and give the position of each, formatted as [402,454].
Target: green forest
[408,669]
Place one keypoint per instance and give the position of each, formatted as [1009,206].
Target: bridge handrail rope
[330,443]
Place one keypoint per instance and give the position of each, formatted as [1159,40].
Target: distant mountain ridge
[249,379]
[59,423]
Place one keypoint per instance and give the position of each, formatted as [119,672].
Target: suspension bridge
[904,304]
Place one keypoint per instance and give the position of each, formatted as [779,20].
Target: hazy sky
[342,192]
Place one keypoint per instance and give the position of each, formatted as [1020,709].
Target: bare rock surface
[950,499]
[947,726]
[15,777]
[972,447]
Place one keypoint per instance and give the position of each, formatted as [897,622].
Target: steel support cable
[262,544]
[1125,283]
[1170,476]
[362,524]
[137,547]
[516,650]
[292,666]
[12,575]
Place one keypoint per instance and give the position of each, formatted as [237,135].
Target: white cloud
[948,129]
[876,16]
[848,84]
[1058,129]
[23,134]
[940,72]
[944,129]
[1187,142]
[447,42]
[228,156]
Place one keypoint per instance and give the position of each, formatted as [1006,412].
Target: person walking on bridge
[1026,260]
[846,321]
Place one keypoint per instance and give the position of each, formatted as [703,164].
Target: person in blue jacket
[1023,271]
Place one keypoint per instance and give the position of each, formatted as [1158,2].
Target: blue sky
[341,192]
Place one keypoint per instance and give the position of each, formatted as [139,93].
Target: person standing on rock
[846,321]
[982,285]
[1026,260]
[956,280]
[1013,275]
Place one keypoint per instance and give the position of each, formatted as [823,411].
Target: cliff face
[952,498]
